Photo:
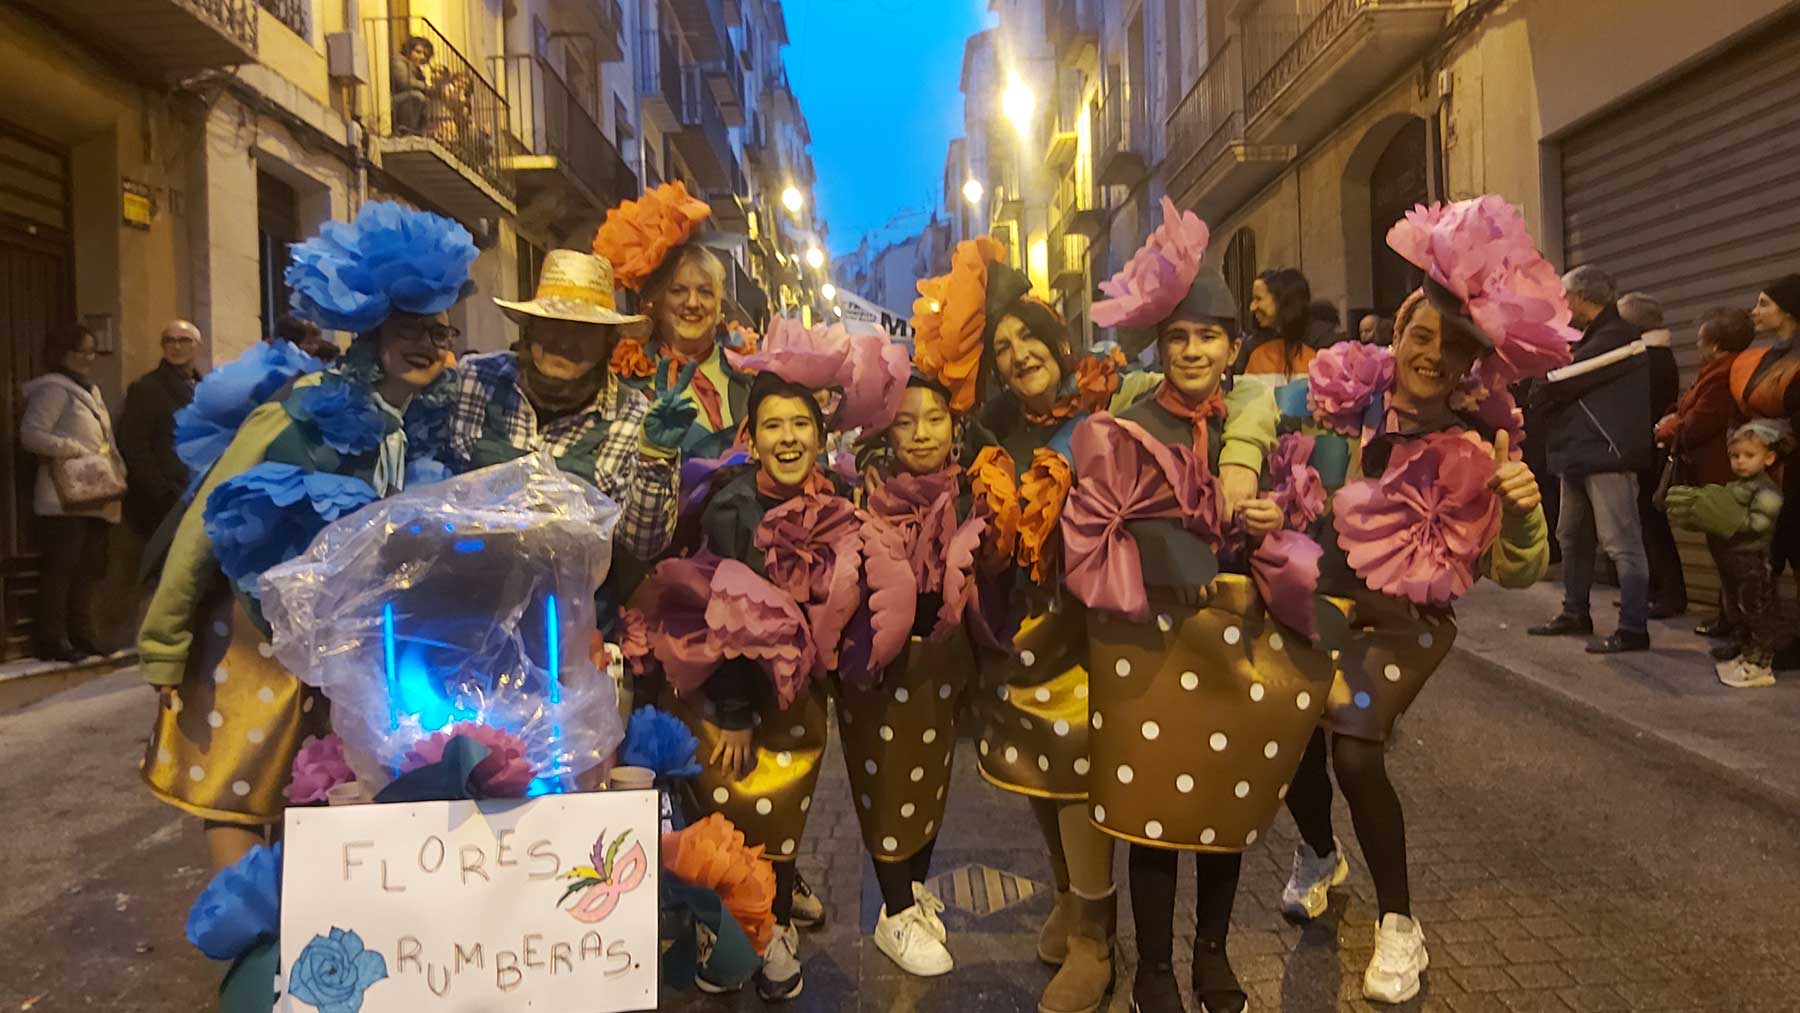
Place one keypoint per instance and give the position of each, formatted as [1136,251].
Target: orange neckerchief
[1179,406]
[703,388]
[816,484]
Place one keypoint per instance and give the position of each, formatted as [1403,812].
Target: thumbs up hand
[1515,484]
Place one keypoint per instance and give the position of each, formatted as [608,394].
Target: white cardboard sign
[542,904]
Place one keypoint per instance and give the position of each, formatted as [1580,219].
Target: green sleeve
[1519,557]
[1765,509]
[1133,387]
[1249,424]
[167,632]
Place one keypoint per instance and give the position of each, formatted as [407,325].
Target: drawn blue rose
[334,971]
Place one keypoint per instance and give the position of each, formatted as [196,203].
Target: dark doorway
[1240,270]
[1399,181]
[277,225]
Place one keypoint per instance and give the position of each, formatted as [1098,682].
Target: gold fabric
[223,748]
[898,738]
[771,804]
[1034,715]
[1200,717]
[1394,647]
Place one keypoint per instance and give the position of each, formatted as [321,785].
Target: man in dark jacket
[1600,440]
[1668,587]
[155,476]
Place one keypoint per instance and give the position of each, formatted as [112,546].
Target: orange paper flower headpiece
[712,853]
[638,234]
[949,318]
[630,361]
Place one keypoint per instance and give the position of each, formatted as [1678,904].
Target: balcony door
[1399,180]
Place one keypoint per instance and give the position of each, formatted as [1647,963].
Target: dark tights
[783,907]
[1153,875]
[1374,810]
[897,878]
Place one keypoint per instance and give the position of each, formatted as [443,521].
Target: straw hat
[573,286]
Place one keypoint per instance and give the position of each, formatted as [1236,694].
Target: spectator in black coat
[1599,425]
[1668,588]
[156,478]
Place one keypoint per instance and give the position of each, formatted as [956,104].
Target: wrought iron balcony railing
[1282,37]
[548,118]
[296,14]
[426,88]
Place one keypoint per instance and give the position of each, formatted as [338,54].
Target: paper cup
[631,779]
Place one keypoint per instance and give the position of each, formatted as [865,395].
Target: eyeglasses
[179,339]
[441,335]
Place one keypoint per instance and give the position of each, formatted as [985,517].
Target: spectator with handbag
[80,481]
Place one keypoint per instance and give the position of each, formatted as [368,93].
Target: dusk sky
[878,81]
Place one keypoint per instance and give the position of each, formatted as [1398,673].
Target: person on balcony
[409,74]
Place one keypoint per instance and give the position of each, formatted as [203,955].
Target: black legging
[783,907]
[897,878]
[1374,810]
[1153,875]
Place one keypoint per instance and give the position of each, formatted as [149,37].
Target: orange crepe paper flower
[996,495]
[1097,380]
[947,343]
[1042,491]
[630,361]
[638,234]
[744,341]
[711,853]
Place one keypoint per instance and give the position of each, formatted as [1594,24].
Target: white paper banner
[864,317]
[543,904]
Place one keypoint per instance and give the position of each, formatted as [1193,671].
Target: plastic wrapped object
[467,601]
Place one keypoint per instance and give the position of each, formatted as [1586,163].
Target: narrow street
[1556,866]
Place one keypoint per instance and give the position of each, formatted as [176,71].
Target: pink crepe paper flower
[883,621]
[1295,484]
[922,508]
[319,766]
[504,773]
[1344,380]
[1493,406]
[1157,277]
[1419,530]
[869,369]
[1480,250]
[874,382]
[811,357]
[811,550]
[633,635]
[1285,567]
[748,617]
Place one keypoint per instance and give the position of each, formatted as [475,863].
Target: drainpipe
[355,136]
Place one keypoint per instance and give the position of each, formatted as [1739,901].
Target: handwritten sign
[542,904]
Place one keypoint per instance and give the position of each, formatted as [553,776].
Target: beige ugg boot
[1081,984]
[1053,938]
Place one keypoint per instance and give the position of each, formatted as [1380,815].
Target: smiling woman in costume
[231,718]
[1435,500]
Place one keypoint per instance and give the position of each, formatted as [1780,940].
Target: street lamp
[972,191]
[815,258]
[1017,102]
[829,291]
[792,199]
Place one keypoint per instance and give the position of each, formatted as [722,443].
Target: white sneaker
[930,908]
[1400,957]
[1305,895]
[907,939]
[780,979]
[1743,675]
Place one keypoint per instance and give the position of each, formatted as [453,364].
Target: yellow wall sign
[136,204]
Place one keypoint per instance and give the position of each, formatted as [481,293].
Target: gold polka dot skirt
[1199,720]
[223,747]
[1035,707]
[770,805]
[899,737]
[1394,648]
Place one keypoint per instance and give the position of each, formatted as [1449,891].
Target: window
[277,225]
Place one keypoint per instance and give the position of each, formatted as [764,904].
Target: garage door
[1692,194]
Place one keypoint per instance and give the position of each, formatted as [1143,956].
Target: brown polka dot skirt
[1035,707]
[223,747]
[1394,648]
[770,805]
[1199,720]
[899,737]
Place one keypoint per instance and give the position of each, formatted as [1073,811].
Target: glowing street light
[815,258]
[829,291]
[839,310]
[1017,102]
[973,191]
[792,199]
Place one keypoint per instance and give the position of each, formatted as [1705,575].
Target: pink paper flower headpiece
[1158,276]
[870,369]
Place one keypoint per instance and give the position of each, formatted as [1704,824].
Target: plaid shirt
[646,489]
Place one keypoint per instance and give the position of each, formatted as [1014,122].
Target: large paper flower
[995,488]
[637,235]
[874,382]
[1042,491]
[352,276]
[225,397]
[811,549]
[748,617]
[319,766]
[503,773]
[660,742]
[1157,277]
[1294,483]
[1480,250]
[922,511]
[1418,531]
[240,907]
[882,623]
[1097,378]
[812,357]
[949,318]
[342,413]
[712,853]
[270,513]
[1344,380]
[1493,406]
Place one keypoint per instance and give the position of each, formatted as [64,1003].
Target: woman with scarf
[1206,684]
[791,584]
[231,718]
[1435,499]
[979,321]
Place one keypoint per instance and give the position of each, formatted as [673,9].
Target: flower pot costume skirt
[770,805]
[1200,717]
[1394,647]
[223,748]
[1035,710]
[899,737]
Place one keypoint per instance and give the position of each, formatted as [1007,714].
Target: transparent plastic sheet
[468,600]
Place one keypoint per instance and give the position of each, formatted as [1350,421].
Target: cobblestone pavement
[1556,866]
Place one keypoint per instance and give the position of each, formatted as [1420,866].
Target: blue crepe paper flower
[226,396]
[428,419]
[270,513]
[352,276]
[334,971]
[240,908]
[343,413]
[660,742]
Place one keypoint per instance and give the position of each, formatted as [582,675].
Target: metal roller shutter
[1692,194]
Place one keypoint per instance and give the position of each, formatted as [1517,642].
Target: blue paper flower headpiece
[352,276]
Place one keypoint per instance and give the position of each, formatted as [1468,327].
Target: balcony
[703,23]
[1074,28]
[1068,259]
[1214,168]
[1119,158]
[1062,127]
[1309,65]
[440,127]
[726,79]
[659,81]
[565,170]
[162,38]
[702,139]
